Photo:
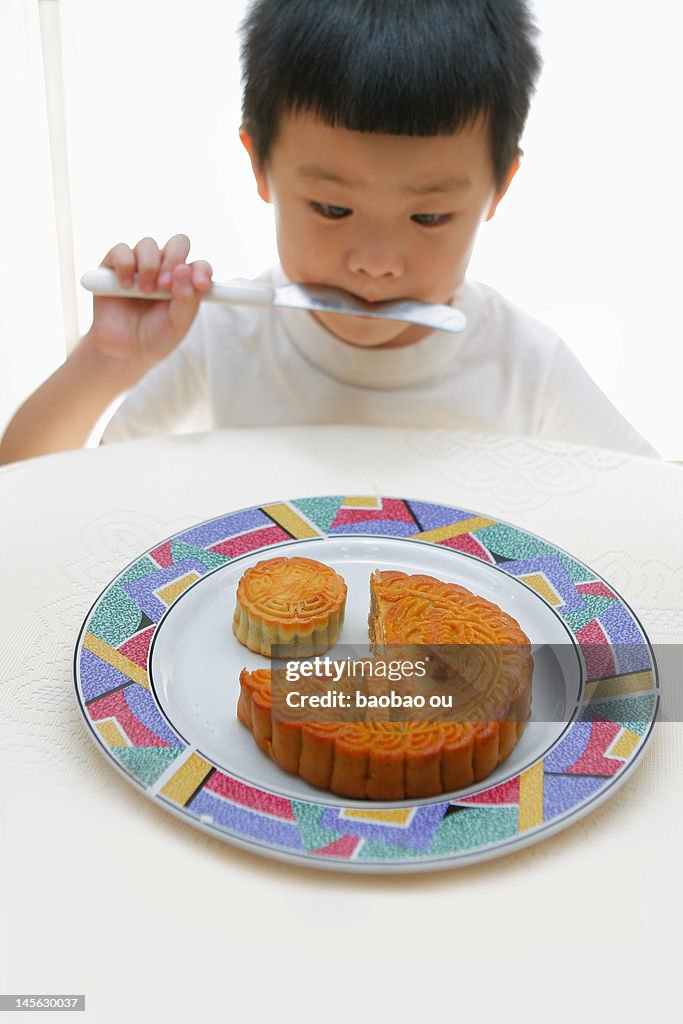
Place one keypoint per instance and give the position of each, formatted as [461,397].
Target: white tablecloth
[105,894]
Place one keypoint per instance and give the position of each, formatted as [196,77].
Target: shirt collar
[381,367]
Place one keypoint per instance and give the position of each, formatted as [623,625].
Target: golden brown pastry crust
[375,760]
[294,601]
[413,613]
[398,760]
[419,609]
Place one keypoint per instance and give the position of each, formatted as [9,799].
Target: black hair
[403,67]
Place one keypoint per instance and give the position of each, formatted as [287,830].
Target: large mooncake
[296,602]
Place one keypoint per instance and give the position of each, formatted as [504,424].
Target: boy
[383,132]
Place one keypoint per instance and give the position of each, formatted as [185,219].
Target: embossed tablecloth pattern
[86,855]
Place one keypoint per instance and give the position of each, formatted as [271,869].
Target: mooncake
[374,759]
[296,602]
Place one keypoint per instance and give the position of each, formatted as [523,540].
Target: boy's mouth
[373,300]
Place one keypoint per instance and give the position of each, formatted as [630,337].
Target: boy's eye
[430,220]
[331,212]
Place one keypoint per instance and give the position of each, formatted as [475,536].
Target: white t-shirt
[244,366]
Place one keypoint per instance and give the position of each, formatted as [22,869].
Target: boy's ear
[256,166]
[500,192]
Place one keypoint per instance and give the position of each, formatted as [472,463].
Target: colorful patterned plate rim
[590,758]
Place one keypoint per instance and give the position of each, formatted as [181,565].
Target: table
[105,894]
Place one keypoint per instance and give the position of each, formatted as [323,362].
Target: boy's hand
[138,331]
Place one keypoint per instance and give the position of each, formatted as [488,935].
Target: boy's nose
[375,259]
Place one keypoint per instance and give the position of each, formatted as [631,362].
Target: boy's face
[381,216]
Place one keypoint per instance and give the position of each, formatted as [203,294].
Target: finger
[182,287]
[174,252]
[201,275]
[121,259]
[148,259]
[185,301]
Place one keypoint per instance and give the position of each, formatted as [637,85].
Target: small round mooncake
[296,602]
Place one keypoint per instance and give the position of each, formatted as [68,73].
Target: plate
[156,672]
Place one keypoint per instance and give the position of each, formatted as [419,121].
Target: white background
[587,239]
